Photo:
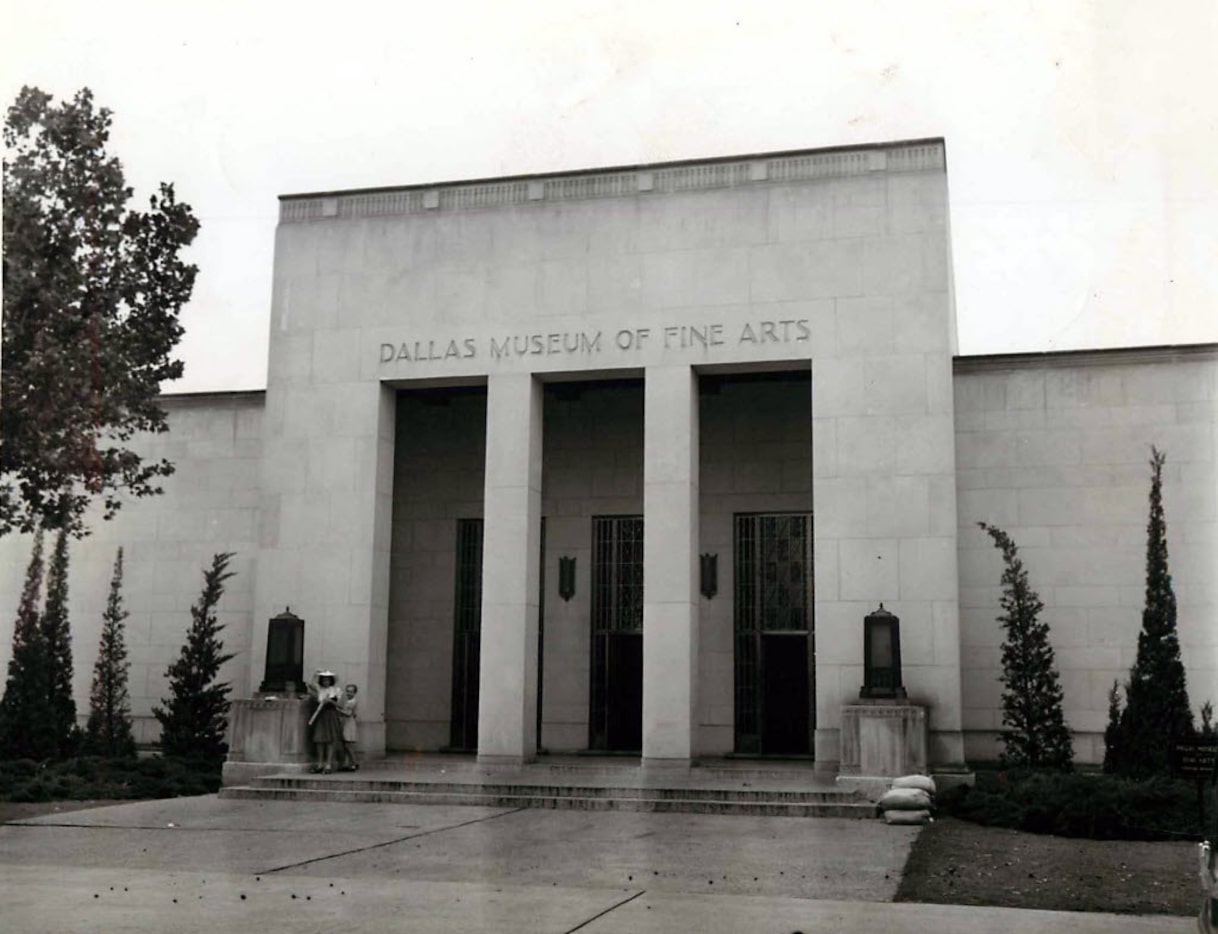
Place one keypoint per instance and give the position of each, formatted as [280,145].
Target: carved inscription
[692,337]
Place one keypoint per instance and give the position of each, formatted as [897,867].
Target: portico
[622,369]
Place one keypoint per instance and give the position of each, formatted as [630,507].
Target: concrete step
[848,806]
[798,771]
[518,789]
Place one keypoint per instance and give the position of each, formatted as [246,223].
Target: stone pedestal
[882,739]
[266,736]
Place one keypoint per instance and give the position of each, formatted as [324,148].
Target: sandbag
[925,782]
[904,799]
[907,817]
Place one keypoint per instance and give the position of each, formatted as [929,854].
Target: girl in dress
[326,721]
[350,730]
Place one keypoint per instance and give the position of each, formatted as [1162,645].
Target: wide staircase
[783,788]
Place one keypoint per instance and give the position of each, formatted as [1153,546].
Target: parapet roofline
[1102,356]
[624,169]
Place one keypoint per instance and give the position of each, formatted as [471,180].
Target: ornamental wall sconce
[710,575]
[566,577]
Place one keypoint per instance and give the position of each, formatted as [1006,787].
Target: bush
[119,778]
[1097,807]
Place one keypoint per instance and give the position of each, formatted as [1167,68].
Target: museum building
[620,460]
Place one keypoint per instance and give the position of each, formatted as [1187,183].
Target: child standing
[350,728]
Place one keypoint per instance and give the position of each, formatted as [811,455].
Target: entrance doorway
[775,640]
[467,635]
[616,721]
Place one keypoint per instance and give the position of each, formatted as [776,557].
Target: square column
[670,545]
[511,565]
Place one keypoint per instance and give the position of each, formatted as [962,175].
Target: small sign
[1196,760]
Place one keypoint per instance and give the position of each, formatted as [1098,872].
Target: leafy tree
[24,727]
[1157,713]
[92,292]
[108,732]
[1036,735]
[193,721]
[57,643]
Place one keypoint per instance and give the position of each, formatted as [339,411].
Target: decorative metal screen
[617,608]
[467,633]
[773,596]
[617,574]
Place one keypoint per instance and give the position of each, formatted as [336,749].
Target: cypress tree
[194,718]
[57,638]
[24,727]
[1157,713]
[1112,732]
[1036,735]
[108,732]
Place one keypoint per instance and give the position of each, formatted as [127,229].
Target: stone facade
[1054,448]
[210,504]
[837,261]
[686,343]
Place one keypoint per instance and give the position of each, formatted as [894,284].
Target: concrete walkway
[207,864]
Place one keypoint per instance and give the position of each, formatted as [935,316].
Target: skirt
[328,728]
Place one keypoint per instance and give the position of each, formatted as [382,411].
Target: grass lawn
[960,863]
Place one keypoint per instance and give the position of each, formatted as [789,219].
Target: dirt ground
[958,863]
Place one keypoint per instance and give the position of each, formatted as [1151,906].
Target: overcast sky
[1082,137]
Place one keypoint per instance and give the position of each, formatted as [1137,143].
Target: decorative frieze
[617,183]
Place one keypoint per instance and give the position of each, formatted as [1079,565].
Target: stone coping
[1106,356]
[927,155]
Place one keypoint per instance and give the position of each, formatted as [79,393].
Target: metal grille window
[467,633]
[617,627]
[773,632]
[617,569]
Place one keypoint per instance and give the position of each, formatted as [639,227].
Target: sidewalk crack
[601,914]
[376,846]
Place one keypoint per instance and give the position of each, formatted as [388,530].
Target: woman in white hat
[326,723]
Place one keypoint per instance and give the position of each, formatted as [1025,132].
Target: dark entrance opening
[467,635]
[784,693]
[616,721]
[774,636]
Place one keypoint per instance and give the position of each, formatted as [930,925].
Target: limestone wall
[209,505]
[1054,449]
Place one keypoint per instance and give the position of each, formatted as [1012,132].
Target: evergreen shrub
[119,778]
[1089,805]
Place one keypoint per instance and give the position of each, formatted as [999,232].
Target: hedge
[94,777]
[1095,806]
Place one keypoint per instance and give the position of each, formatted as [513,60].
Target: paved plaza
[206,864]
